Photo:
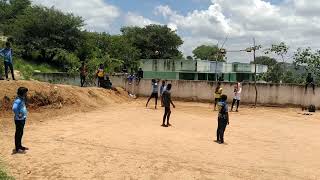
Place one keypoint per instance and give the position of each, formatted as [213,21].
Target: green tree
[189,58]
[46,33]
[205,52]
[154,41]
[121,48]
[280,49]
[310,60]
[265,60]
[273,74]
[9,10]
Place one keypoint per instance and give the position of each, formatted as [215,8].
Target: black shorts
[100,78]
[154,95]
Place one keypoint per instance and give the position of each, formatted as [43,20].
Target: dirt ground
[125,141]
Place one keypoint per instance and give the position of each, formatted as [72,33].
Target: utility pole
[255,71]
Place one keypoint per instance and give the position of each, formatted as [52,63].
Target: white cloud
[132,19]
[98,15]
[296,22]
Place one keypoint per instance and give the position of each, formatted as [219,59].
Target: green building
[199,70]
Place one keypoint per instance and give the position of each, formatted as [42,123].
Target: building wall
[57,78]
[268,94]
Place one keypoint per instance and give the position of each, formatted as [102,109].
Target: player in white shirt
[237,96]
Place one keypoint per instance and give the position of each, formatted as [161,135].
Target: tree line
[47,35]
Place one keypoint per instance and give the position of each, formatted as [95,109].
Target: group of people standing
[236,98]
[220,101]
[223,114]
[165,97]
[100,75]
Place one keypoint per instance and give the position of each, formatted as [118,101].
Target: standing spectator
[20,116]
[237,96]
[154,94]
[131,78]
[309,81]
[162,89]
[8,63]
[140,74]
[167,102]
[100,74]
[83,73]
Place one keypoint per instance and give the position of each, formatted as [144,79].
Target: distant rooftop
[175,65]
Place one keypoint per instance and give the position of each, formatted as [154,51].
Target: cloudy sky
[296,22]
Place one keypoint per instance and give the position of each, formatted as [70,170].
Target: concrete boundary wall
[268,94]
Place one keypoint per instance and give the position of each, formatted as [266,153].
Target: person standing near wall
[100,74]
[20,116]
[8,63]
[154,94]
[217,95]
[162,89]
[237,96]
[83,74]
[166,103]
[140,75]
[309,81]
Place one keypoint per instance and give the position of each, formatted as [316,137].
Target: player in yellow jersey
[217,95]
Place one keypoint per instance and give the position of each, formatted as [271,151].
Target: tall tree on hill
[9,10]
[45,32]
[154,41]
[206,52]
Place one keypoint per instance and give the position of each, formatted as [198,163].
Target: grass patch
[28,67]
[4,175]
[20,64]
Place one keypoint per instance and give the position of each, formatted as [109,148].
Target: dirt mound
[45,95]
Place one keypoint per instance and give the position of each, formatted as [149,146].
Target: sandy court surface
[126,141]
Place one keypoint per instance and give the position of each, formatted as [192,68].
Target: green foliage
[275,74]
[280,49]
[9,10]
[310,60]
[211,53]
[44,30]
[265,60]
[292,76]
[121,48]
[189,58]
[27,68]
[4,175]
[154,41]
[47,36]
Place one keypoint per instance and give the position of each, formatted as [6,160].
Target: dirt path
[126,142]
